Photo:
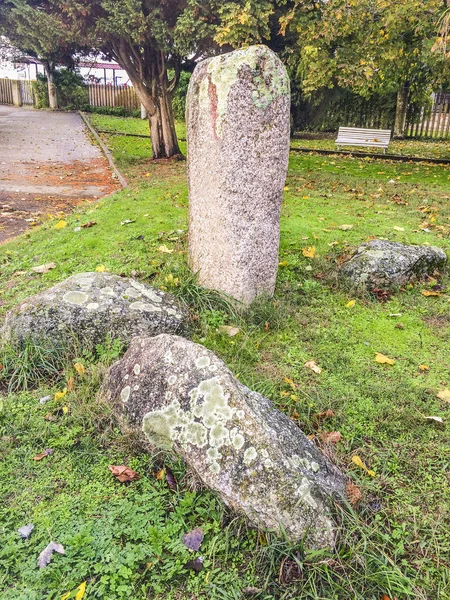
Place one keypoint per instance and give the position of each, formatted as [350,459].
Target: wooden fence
[6,91]
[26,92]
[13,91]
[113,96]
[432,121]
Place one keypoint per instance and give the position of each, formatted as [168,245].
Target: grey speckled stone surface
[380,262]
[238,147]
[182,396]
[85,308]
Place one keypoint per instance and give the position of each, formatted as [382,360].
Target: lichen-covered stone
[85,309]
[183,397]
[380,262]
[238,147]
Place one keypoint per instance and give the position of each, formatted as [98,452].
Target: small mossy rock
[183,397]
[380,262]
[85,309]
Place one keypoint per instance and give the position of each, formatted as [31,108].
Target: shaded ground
[47,165]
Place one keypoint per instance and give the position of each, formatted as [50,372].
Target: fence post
[16,93]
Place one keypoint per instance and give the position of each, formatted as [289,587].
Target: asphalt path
[48,165]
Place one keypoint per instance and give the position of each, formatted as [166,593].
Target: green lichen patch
[269,80]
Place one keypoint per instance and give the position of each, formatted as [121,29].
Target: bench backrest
[382,136]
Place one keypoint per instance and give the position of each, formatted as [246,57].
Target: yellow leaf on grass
[60,395]
[350,304]
[79,368]
[444,395]
[65,596]
[61,224]
[424,368]
[309,252]
[165,250]
[100,268]
[291,383]
[284,263]
[384,360]
[80,591]
[430,293]
[359,463]
[311,364]
[396,228]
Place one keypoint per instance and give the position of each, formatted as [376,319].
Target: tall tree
[152,38]
[369,46]
[34,32]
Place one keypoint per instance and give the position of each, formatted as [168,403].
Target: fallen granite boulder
[183,397]
[85,309]
[380,262]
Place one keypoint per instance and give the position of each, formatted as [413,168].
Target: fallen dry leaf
[25,531]
[70,383]
[79,368]
[46,554]
[444,395]
[100,269]
[309,252]
[60,395]
[397,228]
[428,293]
[165,250]
[325,414]
[384,360]
[44,268]
[359,463]
[350,304]
[345,227]
[89,224]
[437,419]
[61,224]
[170,478]
[228,330]
[47,452]
[123,473]
[331,437]
[310,364]
[81,590]
[195,565]
[354,494]
[424,368]
[193,539]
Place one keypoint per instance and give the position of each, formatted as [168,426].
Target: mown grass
[124,540]
[419,148]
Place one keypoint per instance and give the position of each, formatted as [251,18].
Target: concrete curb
[106,152]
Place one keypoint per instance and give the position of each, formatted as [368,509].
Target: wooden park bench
[354,136]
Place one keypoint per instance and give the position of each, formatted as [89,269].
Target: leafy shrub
[179,98]
[40,91]
[71,90]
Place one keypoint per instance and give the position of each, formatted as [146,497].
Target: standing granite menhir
[238,127]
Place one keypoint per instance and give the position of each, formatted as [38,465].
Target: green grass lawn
[124,540]
[420,148]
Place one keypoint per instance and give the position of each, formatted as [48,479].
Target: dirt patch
[56,188]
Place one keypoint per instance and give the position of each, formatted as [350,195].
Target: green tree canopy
[34,32]
[368,46]
[150,37]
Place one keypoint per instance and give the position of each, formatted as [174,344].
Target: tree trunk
[149,77]
[162,128]
[52,96]
[400,112]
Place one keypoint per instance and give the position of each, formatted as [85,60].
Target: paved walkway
[47,165]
